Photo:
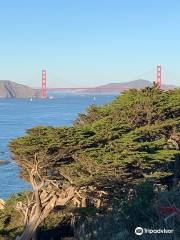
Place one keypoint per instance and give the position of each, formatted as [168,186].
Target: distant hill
[119,87]
[9,89]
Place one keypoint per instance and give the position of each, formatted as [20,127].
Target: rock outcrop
[2,162]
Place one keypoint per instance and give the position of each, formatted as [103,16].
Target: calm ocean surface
[18,115]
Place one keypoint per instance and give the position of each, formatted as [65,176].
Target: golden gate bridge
[45,89]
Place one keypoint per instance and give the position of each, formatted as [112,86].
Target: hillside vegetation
[122,159]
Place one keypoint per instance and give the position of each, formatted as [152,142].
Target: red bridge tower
[43,85]
[159,76]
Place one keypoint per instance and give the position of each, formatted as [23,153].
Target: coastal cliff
[9,89]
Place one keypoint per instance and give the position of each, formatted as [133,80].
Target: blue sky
[89,42]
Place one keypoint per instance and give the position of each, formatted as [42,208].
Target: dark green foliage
[127,138]
[140,206]
[133,140]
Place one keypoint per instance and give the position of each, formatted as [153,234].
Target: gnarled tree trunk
[45,197]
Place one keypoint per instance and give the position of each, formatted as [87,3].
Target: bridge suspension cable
[157,79]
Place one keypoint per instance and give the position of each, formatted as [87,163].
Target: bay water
[17,115]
